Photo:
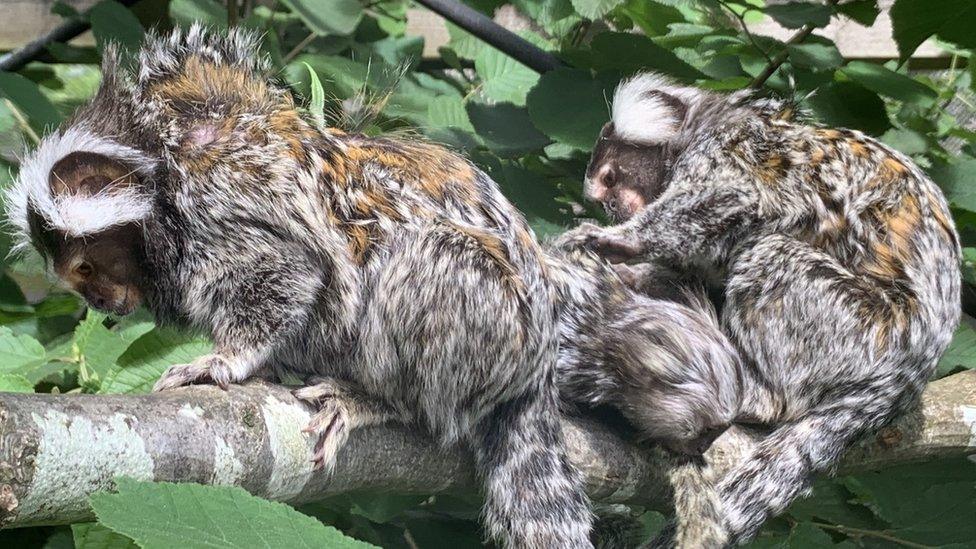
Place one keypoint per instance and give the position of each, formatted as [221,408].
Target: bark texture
[55,450]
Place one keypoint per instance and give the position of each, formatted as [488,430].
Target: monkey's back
[853,198]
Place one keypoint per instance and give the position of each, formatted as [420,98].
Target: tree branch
[55,450]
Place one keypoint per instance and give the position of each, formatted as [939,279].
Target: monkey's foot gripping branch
[56,450]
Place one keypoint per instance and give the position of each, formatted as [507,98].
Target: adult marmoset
[393,274]
[838,254]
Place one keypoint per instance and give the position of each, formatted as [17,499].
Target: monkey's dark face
[624,176]
[105,268]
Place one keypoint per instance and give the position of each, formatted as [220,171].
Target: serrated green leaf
[595,9]
[570,106]
[18,351]
[326,17]
[447,111]
[91,535]
[464,44]
[913,21]
[13,383]
[149,356]
[112,22]
[503,78]
[164,515]
[187,12]
[887,82]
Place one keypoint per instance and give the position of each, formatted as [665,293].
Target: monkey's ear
[88,174]
[648,109]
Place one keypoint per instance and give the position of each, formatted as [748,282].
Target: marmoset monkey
[839,256]
[394,273]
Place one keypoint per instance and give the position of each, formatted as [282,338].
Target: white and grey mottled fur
[404,297]
[839,259]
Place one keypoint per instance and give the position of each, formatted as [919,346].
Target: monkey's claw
[330,424]
[206,369]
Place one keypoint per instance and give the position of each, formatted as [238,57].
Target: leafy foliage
[348,59]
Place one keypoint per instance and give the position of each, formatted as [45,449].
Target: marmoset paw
[330,424]
[578,238]
[215,369]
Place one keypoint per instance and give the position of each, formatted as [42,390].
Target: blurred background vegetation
[382,71]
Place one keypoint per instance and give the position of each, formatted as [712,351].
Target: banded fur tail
[534,496]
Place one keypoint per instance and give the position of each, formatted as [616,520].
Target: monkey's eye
[84,269]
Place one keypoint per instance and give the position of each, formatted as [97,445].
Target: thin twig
[231,13]
[858,532]
[298,49]
[782,56]
[745,30]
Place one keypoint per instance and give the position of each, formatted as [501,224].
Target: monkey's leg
[461,325]
[258,303]
[341,409]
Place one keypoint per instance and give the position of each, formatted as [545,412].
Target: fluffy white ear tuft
[75,215]
[646,109]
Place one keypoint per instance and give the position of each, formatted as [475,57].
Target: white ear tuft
[642,116]
[76,215]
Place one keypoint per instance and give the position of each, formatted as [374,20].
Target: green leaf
[149,356]
[113,22]
[64,10]
[629,53]
[595,9]
[958,182]
[962,349]
[98,347]
[536,198]
[818,55]
[850,105]
[505,128]
[28,99]
[504,79]
[794,15]
[932,503]
[570,106]
[447,111]
[18,351]
[187,12]
[317,105]
[13,383]
[464,44]
[863,11]
[91,535]
[328,16]
[887,82]
[164,515]
[914,21]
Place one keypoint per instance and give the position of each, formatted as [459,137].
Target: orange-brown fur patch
[858,148]
[200,80]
